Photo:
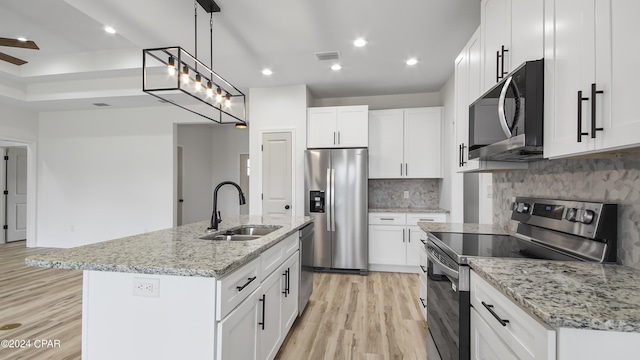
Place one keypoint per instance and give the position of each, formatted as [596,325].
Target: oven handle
[445,269]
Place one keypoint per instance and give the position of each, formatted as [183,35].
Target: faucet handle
[219,217]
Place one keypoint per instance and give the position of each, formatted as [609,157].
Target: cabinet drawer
[290,245]
[387,219]
[523,334]
[235,287]
[413,219]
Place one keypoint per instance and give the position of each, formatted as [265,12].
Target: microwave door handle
[502,111]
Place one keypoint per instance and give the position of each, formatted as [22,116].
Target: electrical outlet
[146,287]
[406,194]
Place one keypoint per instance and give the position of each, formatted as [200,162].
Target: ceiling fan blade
[11,59]
[19,44]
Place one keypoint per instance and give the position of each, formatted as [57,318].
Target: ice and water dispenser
[316,201]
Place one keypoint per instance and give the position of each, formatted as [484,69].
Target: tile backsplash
[389,193]
[603,180]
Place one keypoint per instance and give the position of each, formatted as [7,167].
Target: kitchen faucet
[215,217]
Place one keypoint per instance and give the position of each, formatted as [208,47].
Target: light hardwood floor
[348,316]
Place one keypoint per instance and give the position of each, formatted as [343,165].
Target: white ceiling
[80,64]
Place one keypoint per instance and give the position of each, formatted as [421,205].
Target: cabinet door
[617,55]
[494,30]
[569,68]
[485,343]
[527,32]
[423,142]
[237,335]
[387,245]
[321,127]
[352,126]
[291,268]
[414,246]
[270,331]
[386,144]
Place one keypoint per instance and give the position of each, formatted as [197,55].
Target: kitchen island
[169,294]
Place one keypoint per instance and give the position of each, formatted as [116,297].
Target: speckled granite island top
[569,294]
[409,210]
[460,228]
[176,251]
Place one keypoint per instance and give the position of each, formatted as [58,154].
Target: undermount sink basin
[242,233]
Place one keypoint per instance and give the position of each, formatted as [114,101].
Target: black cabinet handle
[462,155]
[498,66]
[423,241]
[288,280]
[400,169]
[593,110]
[423,304]
[406,169]
[502,61]
[423,269]
[264,301]
[580,100]
[249,280]
[285,284]
[502,322]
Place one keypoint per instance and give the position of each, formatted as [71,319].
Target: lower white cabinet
[394,240]
[515,334]
[238,332]
[290,275]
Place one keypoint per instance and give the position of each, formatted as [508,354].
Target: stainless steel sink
[242,233]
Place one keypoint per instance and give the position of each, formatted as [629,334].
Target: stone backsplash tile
[603,180]
[389,193]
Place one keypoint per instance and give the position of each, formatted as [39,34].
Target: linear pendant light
[173,75]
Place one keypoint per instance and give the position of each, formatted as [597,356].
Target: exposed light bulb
[198,82]
[227,101]
[209,89]
[218,95]
[185,74]
[171,66]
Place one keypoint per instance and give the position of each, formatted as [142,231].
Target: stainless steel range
[547,229]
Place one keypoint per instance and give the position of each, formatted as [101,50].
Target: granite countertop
[463,228]
[575,294]
[409,210]
[175,251]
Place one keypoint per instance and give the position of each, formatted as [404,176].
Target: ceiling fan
[25,44]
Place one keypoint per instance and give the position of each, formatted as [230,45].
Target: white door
[269,325]
[387,245]
[238,332]
[352,125]
[386,144]
[494,29]
[321,127]
[413,246]
[422,143]
[179,186]
[276,174]
[16,200]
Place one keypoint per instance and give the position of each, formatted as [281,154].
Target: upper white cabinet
[589,95]
[405,143]
[512,33]
[337,127]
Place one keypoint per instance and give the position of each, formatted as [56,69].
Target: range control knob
[587,216]
[523,208]
[571,214]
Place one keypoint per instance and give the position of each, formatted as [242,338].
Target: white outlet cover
[146,287]
[406,194]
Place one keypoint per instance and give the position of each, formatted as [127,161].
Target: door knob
[287,207]
[181,200]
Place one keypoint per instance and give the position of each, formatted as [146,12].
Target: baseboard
[395,268]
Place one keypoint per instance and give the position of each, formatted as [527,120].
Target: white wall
[448,140]
[277,109]
[197,170]
[105,174]
[385,101]
[228,144]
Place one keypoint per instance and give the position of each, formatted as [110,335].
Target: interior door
[276,174]
[179,188]
[16,200]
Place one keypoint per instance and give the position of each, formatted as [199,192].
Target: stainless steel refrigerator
[336,195]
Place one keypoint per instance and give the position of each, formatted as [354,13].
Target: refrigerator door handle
[333,200]
[328,193]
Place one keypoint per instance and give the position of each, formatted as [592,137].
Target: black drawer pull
[264,301]
[240,288]
[423,241]
[423,269]
[502,322]
[423,304]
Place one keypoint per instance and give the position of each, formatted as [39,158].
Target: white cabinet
[337,127]
[516,334]
[512,33]
[405,143]
[394,240]
[237,335]
[589,95]
[290,272]
[269,324]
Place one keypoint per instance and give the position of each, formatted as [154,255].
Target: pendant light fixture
[218,101]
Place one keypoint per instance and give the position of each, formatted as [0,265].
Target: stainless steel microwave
[506,123]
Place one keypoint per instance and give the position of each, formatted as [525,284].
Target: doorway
[277,182]
[14,173]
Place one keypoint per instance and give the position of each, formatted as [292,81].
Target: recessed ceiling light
[412,61]
[360,42]
[267,72]
[109,29]
[336,67]
[22,39]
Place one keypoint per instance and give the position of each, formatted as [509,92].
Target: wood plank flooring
[348,316]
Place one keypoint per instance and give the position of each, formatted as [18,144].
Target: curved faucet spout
[215,216]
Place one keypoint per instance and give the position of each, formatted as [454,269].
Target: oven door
[447,310]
